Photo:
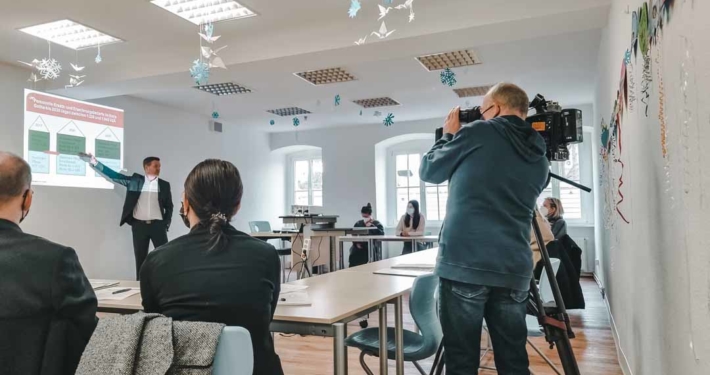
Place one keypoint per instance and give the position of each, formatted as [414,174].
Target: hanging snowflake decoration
[98,58]
[200,72]
[337,100]
[389,120]
[448,77]
[354,8]
[272,122]
[215,115]
[627,57]
[361,112]
[49,68]
[296,121]
[388,2]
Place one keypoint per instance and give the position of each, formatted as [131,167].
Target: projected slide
[57,129]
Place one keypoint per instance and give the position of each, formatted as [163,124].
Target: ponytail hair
[366,209]
[214,190]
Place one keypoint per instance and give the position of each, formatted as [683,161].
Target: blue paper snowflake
[448,77]
[627,57]
[272,122]
[215,114]
[388,2]
[361,112]
[337,100]
[354,8]
[389,120]
[296,121]
[200,72]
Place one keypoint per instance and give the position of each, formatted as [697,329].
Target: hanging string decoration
[389,120]
[215,115]
[200,70]
[98,58]
[448,77]
[408,5]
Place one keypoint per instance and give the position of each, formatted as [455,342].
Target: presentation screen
[57,129]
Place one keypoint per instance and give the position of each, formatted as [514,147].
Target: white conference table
[337,298]
[370,239]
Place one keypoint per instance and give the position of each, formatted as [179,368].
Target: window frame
[309,156]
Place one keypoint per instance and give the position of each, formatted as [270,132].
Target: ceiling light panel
[326,76]
[70,34]
[467,92]
[205,11]
[376,102]
[454,59]
[226,88]
[290,111]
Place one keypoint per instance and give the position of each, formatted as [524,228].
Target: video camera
[558,127]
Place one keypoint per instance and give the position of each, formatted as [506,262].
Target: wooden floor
[593,347]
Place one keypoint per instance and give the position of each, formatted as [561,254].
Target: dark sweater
[559,227]
[237,286]
[496,170]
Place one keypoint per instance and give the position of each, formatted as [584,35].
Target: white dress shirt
[148,207]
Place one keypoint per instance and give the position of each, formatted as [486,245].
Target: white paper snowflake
[49,68]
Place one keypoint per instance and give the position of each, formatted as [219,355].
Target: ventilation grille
[376,102]
[468,92]
[226,88]
[290,111]
[445,60]
[326,76]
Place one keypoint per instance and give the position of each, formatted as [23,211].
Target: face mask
[24,214]
[410,211]
[183,215]
[544,211]
[365,219]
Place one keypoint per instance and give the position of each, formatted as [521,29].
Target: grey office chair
[264,226]
[423,307]
[235,354]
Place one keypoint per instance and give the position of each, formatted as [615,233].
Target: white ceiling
[547,46]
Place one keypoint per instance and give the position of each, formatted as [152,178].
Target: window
[410,187]
[307,180]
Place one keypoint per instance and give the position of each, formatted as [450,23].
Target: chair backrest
[423,307]
[545,288]
[259,226]
[235,354]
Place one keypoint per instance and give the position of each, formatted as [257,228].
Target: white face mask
[410,211]
[544,211]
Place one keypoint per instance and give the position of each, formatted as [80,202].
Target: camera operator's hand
[452,124]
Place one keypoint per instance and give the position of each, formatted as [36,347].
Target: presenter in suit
[148,208]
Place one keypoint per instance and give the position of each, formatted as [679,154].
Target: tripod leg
[569,363]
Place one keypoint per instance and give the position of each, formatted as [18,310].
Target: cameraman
[496,168]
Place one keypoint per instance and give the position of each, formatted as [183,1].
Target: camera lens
[469,115]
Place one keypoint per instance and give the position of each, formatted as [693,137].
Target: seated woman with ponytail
[216,273]
[359,252]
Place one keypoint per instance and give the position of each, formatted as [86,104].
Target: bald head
[15,177]
[511,99]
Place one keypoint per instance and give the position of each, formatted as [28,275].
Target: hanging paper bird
[354,8]
[361,40]
[383,11]
[77,68]
[208,29]
[383,33]
[74,81]
[407,5]
[388,121]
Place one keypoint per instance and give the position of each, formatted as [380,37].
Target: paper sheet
[422,266]
[404,272]
[107,294]
[295,299]
[290,288]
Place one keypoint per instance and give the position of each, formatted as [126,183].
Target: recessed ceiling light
[70,34]
[325,76]
[291,111]
[205,11]
[376,102]
[467,92]
[452,59]
[226,88]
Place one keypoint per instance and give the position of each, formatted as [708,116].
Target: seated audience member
[411,224]
[216,273]
[359,252]
[553,211]
[47,306]
[547,236]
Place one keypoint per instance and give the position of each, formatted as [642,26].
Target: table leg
[370,251]
[331,250]
[340,352]
[383,339]
[399,335]
[341,261]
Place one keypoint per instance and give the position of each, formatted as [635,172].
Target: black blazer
[237,286]
[47,306]
[134,185]
[567,275]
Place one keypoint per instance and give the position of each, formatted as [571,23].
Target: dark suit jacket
[567,275]
[237,286]
[134,185]
[47,306]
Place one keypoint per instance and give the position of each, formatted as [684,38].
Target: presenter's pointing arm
[105,171]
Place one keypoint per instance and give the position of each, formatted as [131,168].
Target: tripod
[553,319]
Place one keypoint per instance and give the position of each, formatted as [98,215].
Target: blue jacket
[496,170]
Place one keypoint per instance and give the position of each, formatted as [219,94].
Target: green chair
[417,346]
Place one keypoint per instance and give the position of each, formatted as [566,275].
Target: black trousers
[143,234]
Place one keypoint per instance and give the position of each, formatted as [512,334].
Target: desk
[382,238]
[129,305]
[420,257]
[273,236]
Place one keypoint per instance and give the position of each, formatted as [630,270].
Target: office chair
[264,226]
[423,307]
[235,355]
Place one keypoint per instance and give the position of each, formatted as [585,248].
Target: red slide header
[73,109]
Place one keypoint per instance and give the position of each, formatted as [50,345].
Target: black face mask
[24,198]
[183,216]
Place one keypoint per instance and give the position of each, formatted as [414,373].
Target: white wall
[87,219]
[656,269]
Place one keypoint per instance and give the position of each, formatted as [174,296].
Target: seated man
[47,306]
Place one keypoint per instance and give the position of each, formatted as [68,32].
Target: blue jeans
[462,308]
